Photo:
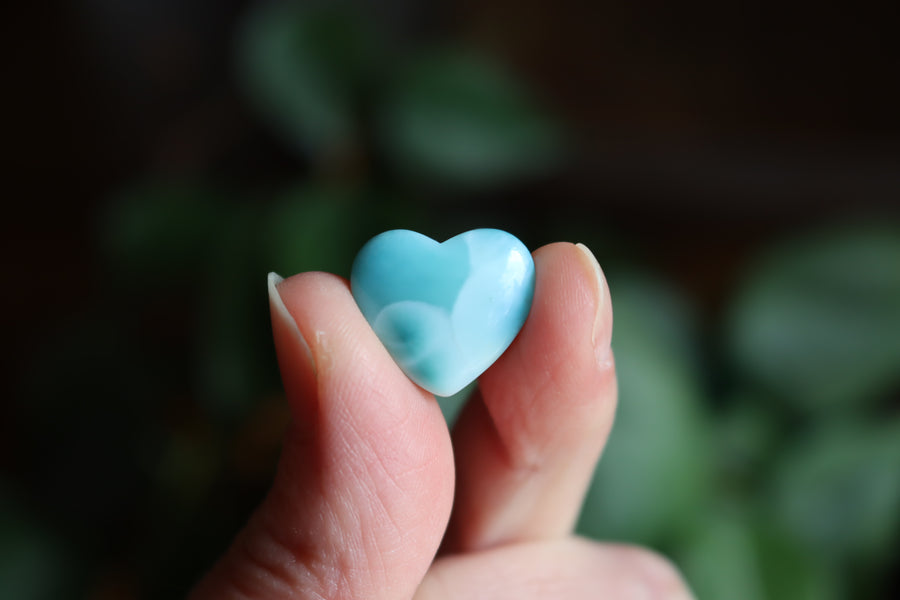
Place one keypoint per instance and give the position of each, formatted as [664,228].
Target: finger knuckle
[659,573]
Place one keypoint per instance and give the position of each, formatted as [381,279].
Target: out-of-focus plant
[307,71]
[459,119]
[788,485]
[769,471]
[735,553]
[817,318]
[34,561]
[323,81]
[660,447]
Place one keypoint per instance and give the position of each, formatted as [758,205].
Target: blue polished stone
[445,312]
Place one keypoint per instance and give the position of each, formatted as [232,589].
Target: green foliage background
[761,452]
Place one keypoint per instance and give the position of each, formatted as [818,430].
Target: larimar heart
[445,312]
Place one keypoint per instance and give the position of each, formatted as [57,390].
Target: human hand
[361,503]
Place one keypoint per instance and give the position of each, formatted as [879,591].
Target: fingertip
[570,273]
[349,357]
[569,328]
[362,393]
[365,483]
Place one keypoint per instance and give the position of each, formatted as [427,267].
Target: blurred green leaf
[720,560]
[34,563]
[314,228]
[233,360]
[460,119]
[816,321]
[305,69]
[747,433]
[655,474]
[310,227]
[160,233]
[838,490]
[733,555]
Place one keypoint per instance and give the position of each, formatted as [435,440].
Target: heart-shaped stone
[445,312]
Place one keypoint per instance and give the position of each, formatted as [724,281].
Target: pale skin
[375,498]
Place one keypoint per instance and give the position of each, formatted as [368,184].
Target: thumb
[365,483]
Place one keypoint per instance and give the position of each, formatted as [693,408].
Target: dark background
[734,166]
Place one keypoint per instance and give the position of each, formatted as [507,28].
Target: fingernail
[281,314]
[600,334]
